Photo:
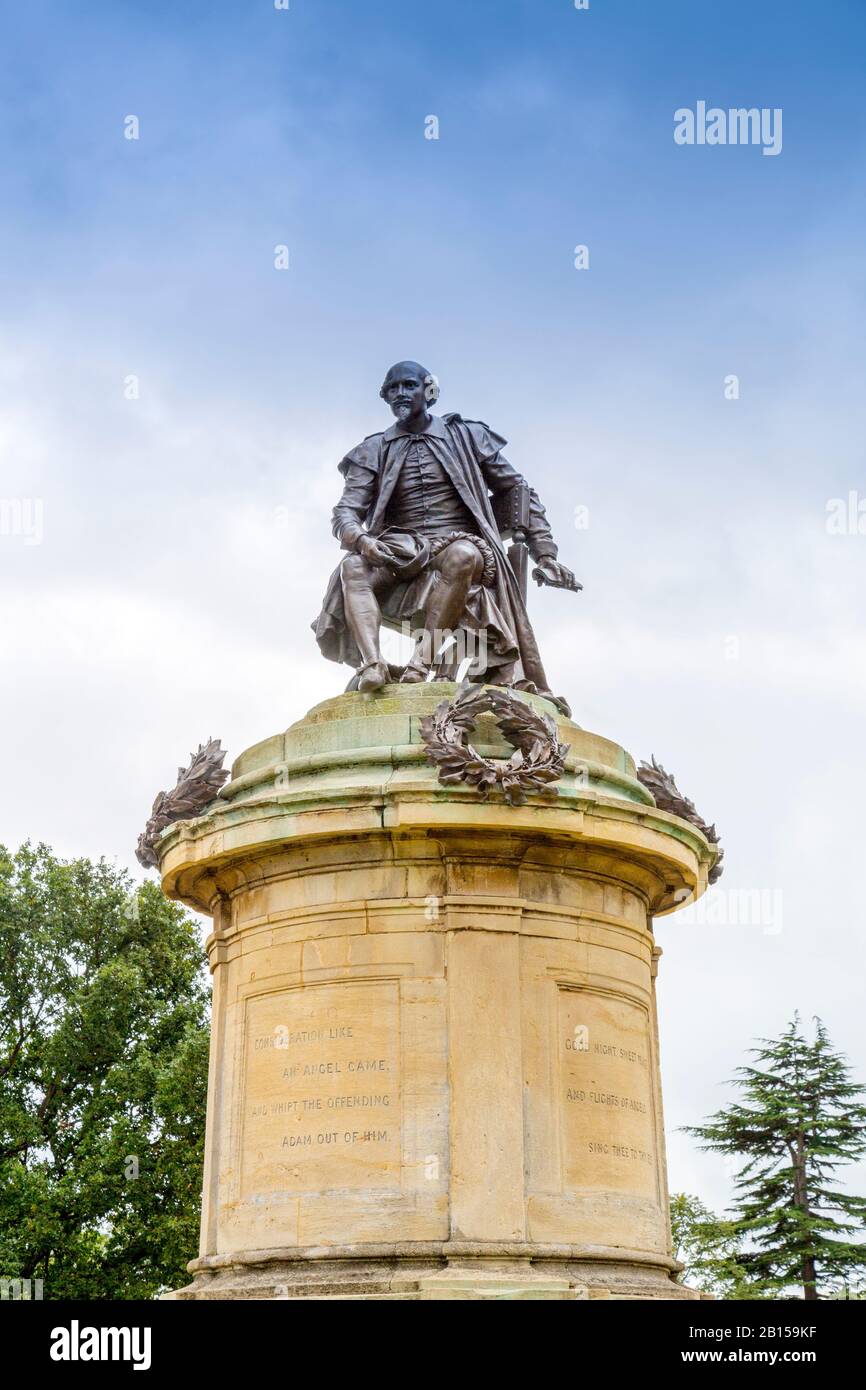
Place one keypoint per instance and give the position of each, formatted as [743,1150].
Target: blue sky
[306,127]
[187,538]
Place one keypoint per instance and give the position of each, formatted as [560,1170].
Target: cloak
[471,454]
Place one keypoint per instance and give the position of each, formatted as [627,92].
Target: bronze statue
[424,510]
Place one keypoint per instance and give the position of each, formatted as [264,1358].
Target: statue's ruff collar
[435,427]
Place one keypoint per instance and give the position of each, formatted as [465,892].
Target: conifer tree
[800,1119]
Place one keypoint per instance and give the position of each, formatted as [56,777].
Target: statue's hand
[549,571]
[372,551]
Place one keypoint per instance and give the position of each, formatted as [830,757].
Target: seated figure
[426,557]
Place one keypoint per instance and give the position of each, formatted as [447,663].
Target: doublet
[424,499]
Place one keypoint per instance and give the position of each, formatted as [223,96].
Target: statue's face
[404,391]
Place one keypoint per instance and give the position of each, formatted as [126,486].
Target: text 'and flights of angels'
[322,1092]
[608,1123]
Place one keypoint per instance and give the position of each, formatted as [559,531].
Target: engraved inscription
[322,1089]
[608,1124]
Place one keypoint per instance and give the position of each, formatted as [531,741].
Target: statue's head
[409,389]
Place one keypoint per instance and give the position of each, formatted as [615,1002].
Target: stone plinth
[434,1064]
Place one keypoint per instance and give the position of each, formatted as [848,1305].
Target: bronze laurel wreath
[196,785]
[538,758]
[668,797]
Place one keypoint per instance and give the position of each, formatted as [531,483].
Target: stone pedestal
[434,1064]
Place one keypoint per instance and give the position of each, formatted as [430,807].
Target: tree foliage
[103,1079]
[801,1117]
[707,1247]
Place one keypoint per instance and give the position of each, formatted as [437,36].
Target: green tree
[103,1079]
[801,1118]
[709,1249]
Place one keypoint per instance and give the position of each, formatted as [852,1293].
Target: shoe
[373,676]
[414,674]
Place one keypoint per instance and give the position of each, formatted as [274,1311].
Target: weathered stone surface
[434,1066]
